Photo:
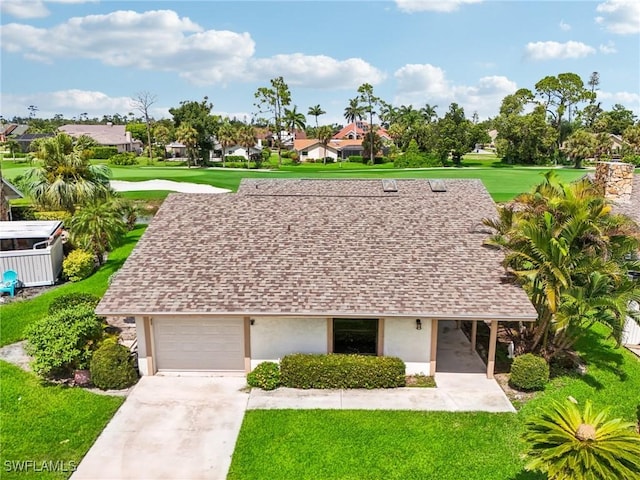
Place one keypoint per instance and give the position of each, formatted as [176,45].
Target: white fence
[631,333]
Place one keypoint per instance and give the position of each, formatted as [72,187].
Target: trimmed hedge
[73,300]
[529,372]
[124,159]
[59,215]
[341,371]
[78,265]
[112,367]
[265,376]
[103,153]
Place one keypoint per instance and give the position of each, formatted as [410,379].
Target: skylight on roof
[437,186]
[389,186]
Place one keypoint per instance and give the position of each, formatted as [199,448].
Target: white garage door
[201,343]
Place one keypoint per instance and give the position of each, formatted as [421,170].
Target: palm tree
[227,138]
[570,254]
[162,135]
[66,178]
[13,146]
[188,136]
[566,444]
[325,134]
[98,227]
[294,120]
[246,137]
[580,145]
[428,112]
[354,111]
[316,112]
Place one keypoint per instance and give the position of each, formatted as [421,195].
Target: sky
[79,56]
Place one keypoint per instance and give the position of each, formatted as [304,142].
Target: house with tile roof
[221,283]
[312,149]
[358,130]
[107,135]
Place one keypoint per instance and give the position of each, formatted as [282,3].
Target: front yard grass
[15,316]
[47,423]
[328,444]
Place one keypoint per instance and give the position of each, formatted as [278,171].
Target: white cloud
[317,71]
[31,8]
[565,27]
[555,50]
[161,40]
[445,6]
[628,99]
[608,49]
[620,16]
[69,103]
[424,83]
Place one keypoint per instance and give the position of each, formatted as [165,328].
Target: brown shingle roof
[417,253]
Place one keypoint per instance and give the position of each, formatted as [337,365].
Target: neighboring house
[312,149]
[357,131]
[33,249]
[107,135]
[12,130]
[26,139]
[237,150]
[220,283]
[176,149]
[7,192]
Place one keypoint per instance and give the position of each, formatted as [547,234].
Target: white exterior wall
[272,338]
[37,267]
[317,153]
[142,347]
[403,340]
[631,333]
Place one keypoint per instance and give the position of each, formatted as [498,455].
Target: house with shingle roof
[107,135]
[221,283]
[312,149]
[357,131]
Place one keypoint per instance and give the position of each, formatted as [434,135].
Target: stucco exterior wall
[273,338]
[403,340]
[142,348]
[317,153]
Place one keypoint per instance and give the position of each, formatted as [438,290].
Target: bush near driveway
[112,367]
[265,376]
[78,265]
[64,341]
[341,371]
[72,300]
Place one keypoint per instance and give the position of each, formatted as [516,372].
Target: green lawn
[15,316]
[328,444]
[47,423]
[502,181]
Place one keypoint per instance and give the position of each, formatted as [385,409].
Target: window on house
[355,335]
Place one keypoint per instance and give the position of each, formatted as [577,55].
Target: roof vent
[437,186]
[389,186]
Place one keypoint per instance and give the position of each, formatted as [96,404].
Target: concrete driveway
[170,427]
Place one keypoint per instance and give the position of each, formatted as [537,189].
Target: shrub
[529,372]
[356,159]
[341,371]
[112,367]
[235,159]
[103,153]
[59,215]
[63,341]
[265,376]
[73,300]
[126,158]
[78,265]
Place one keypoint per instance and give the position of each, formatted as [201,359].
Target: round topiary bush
[529,372]
[78,265]
[72,300]
[112,367]
[265,376]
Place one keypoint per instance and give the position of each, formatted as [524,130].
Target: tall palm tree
[354,111]
[97,227]
[188,136]
[428,112]
[66,178]
[566,444]
[325,134]
[294,120]
[316,111]
[579,146]
[227,138]
[246,136]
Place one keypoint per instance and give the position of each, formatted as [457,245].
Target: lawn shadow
[526,475]
[598,351]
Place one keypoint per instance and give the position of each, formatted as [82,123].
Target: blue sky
[75,56]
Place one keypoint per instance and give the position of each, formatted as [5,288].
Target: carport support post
[474,334]
[493,338]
